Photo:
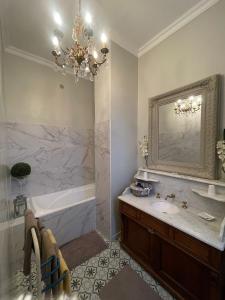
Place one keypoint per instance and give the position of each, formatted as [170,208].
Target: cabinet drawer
[129,210]
[194,246]
[155,224]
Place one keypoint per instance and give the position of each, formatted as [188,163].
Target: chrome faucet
[172,196]
[184,204]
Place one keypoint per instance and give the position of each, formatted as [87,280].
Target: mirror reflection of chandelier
[189,105]
[83,57]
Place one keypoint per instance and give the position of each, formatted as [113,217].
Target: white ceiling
[137,22]
[29,24]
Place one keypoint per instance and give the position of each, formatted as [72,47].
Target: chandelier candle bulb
[189,105]
[55,41]
[95,54]
[57,18]
[88,18]
[104,39]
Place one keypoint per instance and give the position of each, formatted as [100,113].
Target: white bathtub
[49,203]
[69,213]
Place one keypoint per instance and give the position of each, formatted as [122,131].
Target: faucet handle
[158,195]
[184,204]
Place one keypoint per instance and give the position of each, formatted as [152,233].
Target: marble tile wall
[102,177]
[60,157]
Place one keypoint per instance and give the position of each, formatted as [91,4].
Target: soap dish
[206,216]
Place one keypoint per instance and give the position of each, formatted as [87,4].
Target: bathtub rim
[52,211]
[11,223]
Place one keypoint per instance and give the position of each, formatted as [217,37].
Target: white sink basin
[165,207]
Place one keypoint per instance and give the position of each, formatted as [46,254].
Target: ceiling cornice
[35,58]
[123,44]
[186,18]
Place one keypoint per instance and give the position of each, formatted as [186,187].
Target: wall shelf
[184,177]
[202,193]
[139,177]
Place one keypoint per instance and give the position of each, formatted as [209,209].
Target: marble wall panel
[60,157]
[102,177]
[183,191]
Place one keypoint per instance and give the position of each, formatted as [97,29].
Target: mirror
[183,129]
[175,133]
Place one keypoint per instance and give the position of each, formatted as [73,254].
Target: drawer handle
[151,231]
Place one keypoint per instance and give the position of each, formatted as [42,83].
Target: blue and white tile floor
[91,276]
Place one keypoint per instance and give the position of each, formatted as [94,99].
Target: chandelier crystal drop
[189,105]
[83,57]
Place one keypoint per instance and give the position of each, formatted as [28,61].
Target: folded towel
[65,285]
[64,271]
[30,222]
[49,253]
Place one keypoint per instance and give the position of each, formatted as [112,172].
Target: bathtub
[69,213]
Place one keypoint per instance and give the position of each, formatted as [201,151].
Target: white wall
[124,93]
[194,52]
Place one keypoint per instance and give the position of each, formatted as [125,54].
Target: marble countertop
[185,220]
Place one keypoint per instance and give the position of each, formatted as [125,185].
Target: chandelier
[83,57]
[188,105]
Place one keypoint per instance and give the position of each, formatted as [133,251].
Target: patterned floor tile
[115,253]
[76,283]
[84,296]
[112,273]
[102,273]
[103,262]
[90,272]
[123,262]
[89,278]
[98,285]
[87,285]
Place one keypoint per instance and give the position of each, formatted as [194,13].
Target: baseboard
[116,236]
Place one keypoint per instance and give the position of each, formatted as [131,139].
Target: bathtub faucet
[20,205]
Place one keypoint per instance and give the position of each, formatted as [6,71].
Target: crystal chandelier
[189,105]
[83,57]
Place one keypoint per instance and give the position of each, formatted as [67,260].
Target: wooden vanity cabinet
[187,267]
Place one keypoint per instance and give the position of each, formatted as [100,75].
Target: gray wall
[50,126]
[124,93]
[194,52]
